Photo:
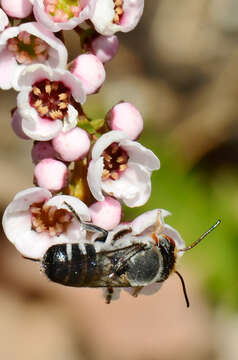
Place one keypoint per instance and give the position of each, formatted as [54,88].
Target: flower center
[118,8]
[49,219]
[50,99]
[115,162]
[28,48]
[63,10]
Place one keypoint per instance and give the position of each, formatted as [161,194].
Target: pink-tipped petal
[51,174]
[17,8]
[90,70]
[72,145]
[107,213]
[105,47]
[125,117]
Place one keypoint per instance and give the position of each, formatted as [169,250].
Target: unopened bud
[90,70]
[125,117]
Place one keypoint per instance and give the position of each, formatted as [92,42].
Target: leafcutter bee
[129,261]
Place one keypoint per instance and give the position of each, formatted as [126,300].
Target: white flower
[44,102]
[121,168]
[3,20]
[108,17]
[35,220]
[40,46]
[55,18]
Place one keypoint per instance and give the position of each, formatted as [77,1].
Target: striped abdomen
[68,265]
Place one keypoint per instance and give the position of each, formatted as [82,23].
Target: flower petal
[133,187]
[140,154]
[106,140]
[80,208]
[146,220]
[94,178]
[7,61]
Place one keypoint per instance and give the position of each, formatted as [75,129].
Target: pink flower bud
[125,117]
[107,213]
[89,69]
[72,145]
[42,150]
[17,8]
[105,47]
[17,125]
[51,174]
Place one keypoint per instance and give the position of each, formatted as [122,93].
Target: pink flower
[105,47]
[40,46]
[125,117]
[17,8]
[106,214]
[121,168]
[3,20]
[111,16]
[35,220]
[90,70]
[60,15]
[44,101]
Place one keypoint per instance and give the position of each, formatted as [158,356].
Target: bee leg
[109,293]
[136,290]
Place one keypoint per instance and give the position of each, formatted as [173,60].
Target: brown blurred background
[179,67]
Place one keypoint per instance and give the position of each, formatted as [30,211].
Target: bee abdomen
[66,264]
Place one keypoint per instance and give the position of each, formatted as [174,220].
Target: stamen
[50,99]
[36,91]
[49,219]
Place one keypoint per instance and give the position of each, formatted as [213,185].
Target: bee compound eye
[143,267]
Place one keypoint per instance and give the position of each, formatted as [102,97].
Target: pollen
[50,99]
[115,162]
[49,219]
[118,9]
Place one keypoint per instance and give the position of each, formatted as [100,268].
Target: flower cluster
[93,165]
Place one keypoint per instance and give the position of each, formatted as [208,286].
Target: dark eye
[143,267]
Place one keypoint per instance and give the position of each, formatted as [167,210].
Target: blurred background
[179,67]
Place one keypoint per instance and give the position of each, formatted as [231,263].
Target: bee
[136,265]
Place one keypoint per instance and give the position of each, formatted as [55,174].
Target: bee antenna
[184,288]
[201,237]
[32,259]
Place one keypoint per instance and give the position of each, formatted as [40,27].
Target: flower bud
[17,125]
[89,69]
[72,145]
[51,174]
[125,117]
[42,150]
[17,8]
[107,213]
[105,47]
